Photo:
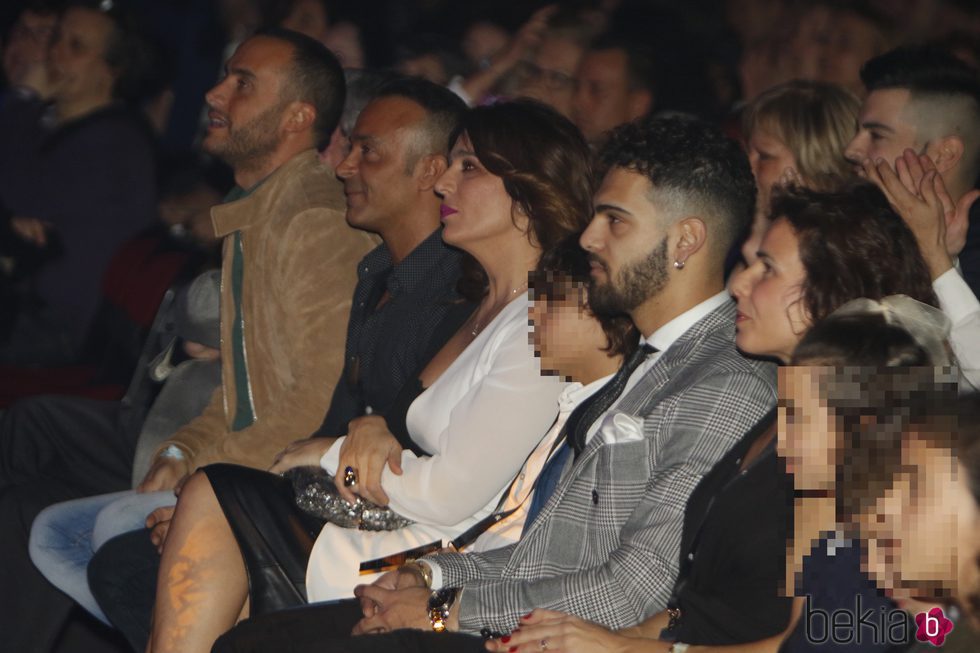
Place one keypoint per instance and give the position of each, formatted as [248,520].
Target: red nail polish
[527,616]
[505,639]
[512,649]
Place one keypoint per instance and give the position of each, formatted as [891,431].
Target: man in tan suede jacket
[289,264]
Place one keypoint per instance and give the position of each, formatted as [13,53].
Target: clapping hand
[916,191]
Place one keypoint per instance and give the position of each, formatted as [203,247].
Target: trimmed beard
[252,142]
[633,285]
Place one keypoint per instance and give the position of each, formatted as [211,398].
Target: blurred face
[770,319]
[603,99]
[883,130]
[923,532]
[426,66]
[308,17]
[482,41]
[810,43]
[852,41]
[564,334]
[378,183]
[476,209]
[550,77]
[769,158]
[76,67]
[627,244]
[807,434]
[344,40]
[245,109]
[28,42]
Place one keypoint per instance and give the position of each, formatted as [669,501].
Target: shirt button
[595,497]
[690,556]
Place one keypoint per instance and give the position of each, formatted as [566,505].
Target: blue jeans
[65,536]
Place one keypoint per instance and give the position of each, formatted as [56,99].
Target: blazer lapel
[641,398]
[648,390]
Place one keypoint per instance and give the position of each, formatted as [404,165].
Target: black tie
[586,413]
[577,426]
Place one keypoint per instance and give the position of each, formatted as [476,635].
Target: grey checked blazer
[606,545]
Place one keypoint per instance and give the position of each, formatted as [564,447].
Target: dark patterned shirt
[388,345]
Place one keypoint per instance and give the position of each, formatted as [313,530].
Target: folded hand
[368,447]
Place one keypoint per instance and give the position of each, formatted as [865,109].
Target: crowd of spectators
[518,277]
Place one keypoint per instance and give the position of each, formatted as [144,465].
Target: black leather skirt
[274,535]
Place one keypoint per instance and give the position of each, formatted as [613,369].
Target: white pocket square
[620,427]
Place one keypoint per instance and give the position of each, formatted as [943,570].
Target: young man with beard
[289,260]
[405,306]
[604,543]
[289,268]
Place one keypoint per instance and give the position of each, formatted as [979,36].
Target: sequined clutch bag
[317,495]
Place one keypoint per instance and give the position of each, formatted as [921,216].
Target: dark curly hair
[691,165]
[852,244]
[545,165]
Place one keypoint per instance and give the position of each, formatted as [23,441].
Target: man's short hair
[920,69]
[315,77]
[946,84]
[693,169]
[443,109]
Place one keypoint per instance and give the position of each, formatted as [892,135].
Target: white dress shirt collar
[575,393]
[665,336]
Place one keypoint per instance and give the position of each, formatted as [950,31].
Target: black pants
[52,449]
[325,628]
[274,536]
[123,579]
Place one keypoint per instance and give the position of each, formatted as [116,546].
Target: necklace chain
[479,325]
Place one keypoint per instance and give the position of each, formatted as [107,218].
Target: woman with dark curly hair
[822,250]
[519,182]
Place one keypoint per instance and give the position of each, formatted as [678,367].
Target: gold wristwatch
[440,602]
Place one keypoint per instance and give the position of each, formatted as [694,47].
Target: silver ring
[543,644]
[350,476]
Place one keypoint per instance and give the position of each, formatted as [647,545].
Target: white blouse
[480,419]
